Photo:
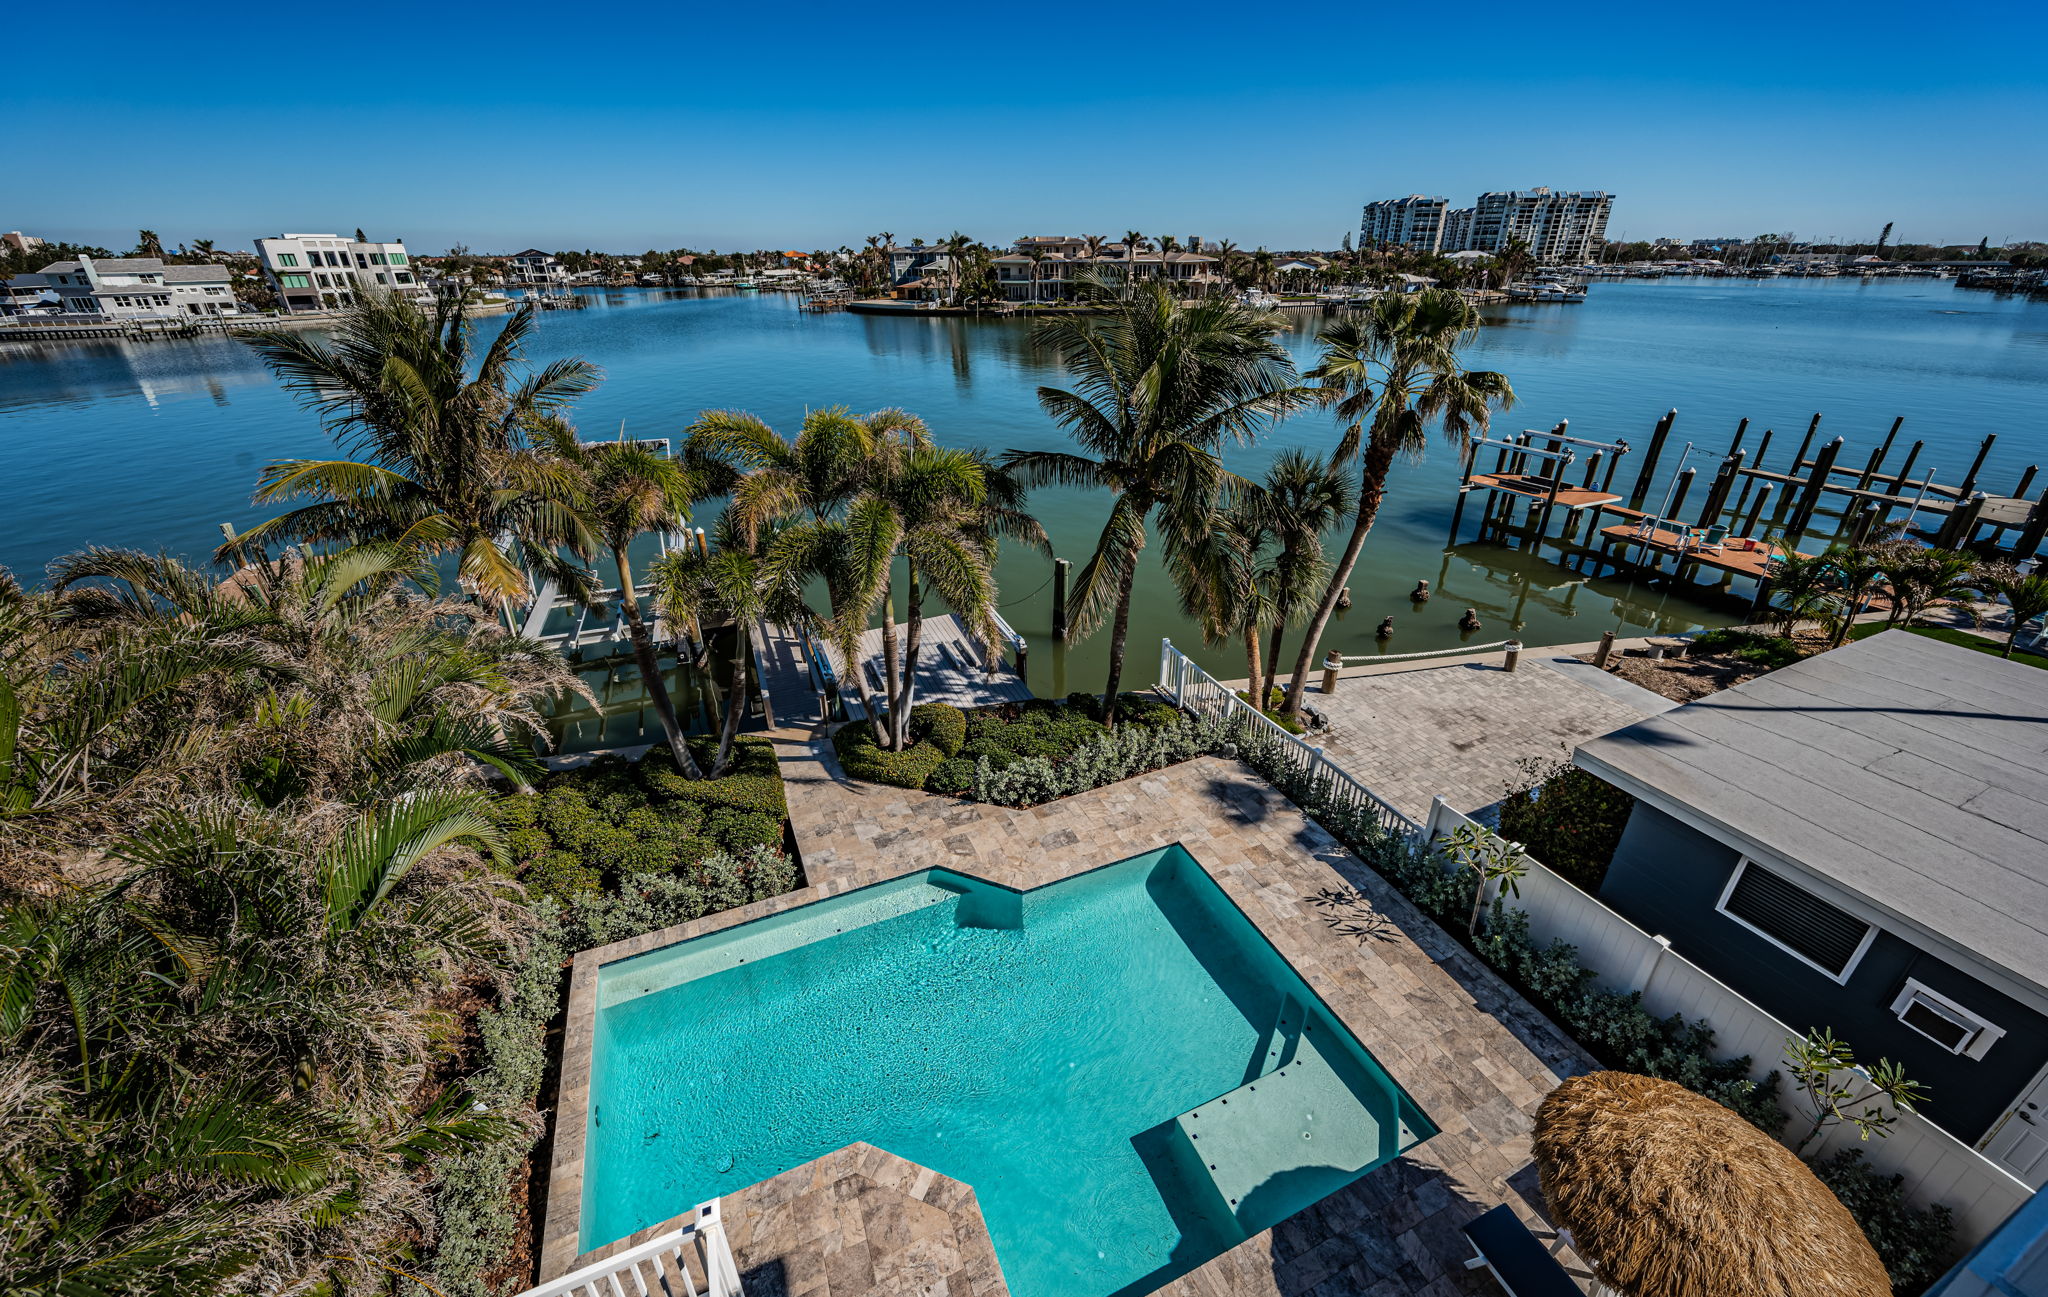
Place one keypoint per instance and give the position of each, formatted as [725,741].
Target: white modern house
[324,272]
[535,269]
[130,288]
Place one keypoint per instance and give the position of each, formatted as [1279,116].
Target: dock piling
[1763,494]
[1816,482]
[1906,470]
[1976,465]
[1059,600]
[1685,477]
[1877,459]
[1649,471]
[1805,444]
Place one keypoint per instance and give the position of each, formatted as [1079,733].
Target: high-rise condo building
[1416,221]
[1559,227]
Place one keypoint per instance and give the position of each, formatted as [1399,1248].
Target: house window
[294,281]
[287,258]
[397,258]
[1817,933]
[1945,1022]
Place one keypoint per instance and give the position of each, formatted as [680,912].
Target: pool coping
[1241,832]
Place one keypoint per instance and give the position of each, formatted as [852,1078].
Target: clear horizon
[710,130]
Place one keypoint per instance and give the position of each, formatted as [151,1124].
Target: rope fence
[1348,658]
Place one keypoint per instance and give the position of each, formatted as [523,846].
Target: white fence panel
[1937,1167]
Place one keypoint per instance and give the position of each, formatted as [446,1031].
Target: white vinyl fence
[1199,693]
[1938,1168]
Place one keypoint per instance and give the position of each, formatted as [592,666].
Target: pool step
[1284,1039]
[1291,1138]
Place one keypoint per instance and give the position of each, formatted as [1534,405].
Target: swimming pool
[1127,1074]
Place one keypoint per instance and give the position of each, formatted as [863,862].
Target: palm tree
[744,579]
[1159,386]
[944,512]
[2028,596]
[203,249]
[1037,255]
[1856,572]
[1801,587]
[1217,577]
[1923,580]
[456,451]
[956,245]
[1262,268]
[1513,261]
[631,490]
[1167,244]
[1303,497]
[1389,372]
[147,244]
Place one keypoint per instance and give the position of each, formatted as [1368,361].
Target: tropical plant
[745,578]
[456,452]
[1513,260]
[1486,862]
[1159,386]
[2026,595]
[1857,570]
[1389,373]
[632,489]
[1832,1084]
[147,244]
[1800,588]
[139,683]
[216,1050]
[1302,498]
[1924,580]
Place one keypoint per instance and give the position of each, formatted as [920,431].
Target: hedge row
[584,828]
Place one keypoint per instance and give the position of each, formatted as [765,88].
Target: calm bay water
[154,444]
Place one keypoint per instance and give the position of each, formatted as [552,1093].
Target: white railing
[660,1267]
[1936,1166]
[1198,693]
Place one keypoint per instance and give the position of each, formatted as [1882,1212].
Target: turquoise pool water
[1131,1079]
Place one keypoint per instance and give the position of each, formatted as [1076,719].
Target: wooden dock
[1689,552]
[1542,489]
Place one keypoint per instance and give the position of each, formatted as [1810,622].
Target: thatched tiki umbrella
[1669,1194]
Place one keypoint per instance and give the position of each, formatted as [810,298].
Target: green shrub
[736,831]
[1767,651]
[1916,1246]
[1569,819]
[945,727]
[753,783]
[559,875]
[952,778]
[864,759]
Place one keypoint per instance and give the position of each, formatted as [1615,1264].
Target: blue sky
[627,126]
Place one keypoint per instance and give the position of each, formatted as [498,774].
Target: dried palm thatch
[1669,1194]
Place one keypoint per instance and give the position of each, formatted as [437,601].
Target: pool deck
[1471,1052]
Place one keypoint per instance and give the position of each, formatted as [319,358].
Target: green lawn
[1948,635]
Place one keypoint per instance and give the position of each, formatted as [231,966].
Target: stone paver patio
[1471,1052]
[1461,730]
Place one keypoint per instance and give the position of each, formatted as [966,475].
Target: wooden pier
[1748,512]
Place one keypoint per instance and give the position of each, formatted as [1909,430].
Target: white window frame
[1721,908]
[1975,1045]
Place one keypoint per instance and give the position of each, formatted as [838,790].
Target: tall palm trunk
[1372,489]
[642,637]
[1119,631]
[1251,655]
[890,674]
[899,707]
[1265,693]
[735,702]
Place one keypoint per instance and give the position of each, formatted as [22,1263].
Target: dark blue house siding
[1666,878]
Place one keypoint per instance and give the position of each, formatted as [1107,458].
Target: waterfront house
[325,272]
[132,288]
[1052,275]
[535,269]
[1859,842]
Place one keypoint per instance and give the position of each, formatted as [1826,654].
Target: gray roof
[195,274]
[1907,772]
[108,265]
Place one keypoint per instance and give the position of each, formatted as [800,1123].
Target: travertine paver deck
[863,1221]
[1472,1053]
[1460,730]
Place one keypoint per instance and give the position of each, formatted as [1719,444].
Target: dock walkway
[951,666]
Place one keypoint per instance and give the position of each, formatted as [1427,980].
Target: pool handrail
[621,1274]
